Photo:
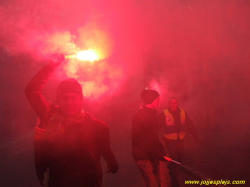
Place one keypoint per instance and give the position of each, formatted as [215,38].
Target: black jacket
[145,140]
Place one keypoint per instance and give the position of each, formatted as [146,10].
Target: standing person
[147,150]
[68,141]
[175,120]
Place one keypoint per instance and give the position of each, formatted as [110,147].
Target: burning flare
[87,55]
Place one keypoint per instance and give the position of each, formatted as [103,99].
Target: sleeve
[161,120]
[134,130]
[34,89]
[191,129]
[106,151]
[38,102]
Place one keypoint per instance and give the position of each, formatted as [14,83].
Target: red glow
[92,67]
[154,85]
[168,159]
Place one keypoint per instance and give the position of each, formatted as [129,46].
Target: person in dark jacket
[175,122]
[147,149]
[68,141]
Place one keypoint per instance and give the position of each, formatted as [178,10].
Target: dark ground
[219,155]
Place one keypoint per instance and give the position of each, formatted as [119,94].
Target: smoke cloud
[197,51]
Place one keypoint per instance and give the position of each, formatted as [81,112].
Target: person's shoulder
[139,113]
[96,122]
[143,114]
[161,113]
[182,110]
[141,110]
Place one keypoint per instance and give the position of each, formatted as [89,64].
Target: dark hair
[149,96]
[67,86]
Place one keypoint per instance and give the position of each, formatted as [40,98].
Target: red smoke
[181,34]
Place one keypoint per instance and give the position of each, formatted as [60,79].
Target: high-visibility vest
[170,131]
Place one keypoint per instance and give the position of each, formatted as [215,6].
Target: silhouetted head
[69,97]
[151,98]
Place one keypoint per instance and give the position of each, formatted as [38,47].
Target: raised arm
[34,89]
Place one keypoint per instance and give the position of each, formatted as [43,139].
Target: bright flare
[87,55]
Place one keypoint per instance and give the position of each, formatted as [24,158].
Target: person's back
[145,138]
[147,150]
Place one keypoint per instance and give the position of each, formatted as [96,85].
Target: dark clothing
[70,148]
[175,150]
[147,148]
[145,140]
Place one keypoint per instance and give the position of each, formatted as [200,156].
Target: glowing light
[154,85]
[87,55]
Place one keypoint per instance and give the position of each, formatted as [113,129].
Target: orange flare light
[87,55]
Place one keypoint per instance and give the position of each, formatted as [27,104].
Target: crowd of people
[69,142]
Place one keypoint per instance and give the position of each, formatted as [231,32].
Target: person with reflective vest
[175,121]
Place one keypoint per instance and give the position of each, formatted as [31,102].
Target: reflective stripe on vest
[170,124]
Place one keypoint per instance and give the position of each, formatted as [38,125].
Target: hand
[57,58]
[113,168]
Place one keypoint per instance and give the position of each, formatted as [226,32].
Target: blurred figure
[147,150]
[68,141]
[174,121]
